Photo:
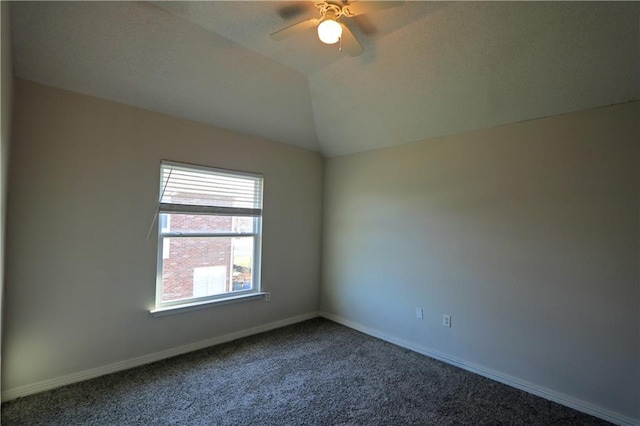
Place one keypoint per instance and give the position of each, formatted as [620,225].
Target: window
[209,235]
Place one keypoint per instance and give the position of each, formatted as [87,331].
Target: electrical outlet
[446,320]
[419,314]
[267,296]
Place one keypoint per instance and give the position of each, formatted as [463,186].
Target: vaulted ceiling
[429,68]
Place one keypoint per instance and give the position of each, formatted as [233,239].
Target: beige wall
[6,95]
[526,234]
[83,191]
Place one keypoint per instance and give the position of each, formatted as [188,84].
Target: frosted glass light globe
[329,31]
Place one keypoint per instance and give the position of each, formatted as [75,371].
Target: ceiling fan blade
[291,10]
[364,24]
[360,7]
[350,43]
[294,29]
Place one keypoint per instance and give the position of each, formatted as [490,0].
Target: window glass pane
[206,266]
[198,223]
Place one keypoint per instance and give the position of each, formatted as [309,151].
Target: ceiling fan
[330,29]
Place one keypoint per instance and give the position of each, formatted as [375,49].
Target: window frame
[176,208]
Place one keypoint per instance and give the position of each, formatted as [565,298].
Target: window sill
[186,307]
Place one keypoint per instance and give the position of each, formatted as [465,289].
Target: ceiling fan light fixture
[329,31]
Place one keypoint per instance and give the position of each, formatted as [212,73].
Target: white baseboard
[44,385]
[515,382]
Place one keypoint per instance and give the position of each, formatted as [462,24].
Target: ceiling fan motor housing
[330,10]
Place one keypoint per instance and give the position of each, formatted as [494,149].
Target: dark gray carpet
[315,373]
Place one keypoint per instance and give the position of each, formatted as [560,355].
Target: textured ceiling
[249,23]
[430,68]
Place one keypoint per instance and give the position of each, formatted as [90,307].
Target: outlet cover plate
[446,320]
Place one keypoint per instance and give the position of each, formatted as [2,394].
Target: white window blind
[206,190]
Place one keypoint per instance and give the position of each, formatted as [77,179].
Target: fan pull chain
[340,48]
